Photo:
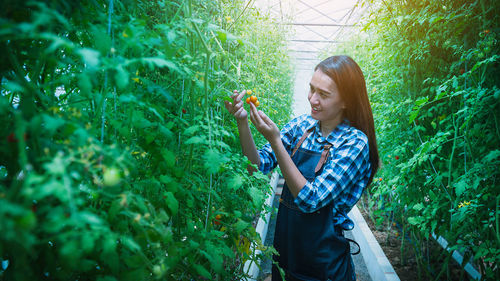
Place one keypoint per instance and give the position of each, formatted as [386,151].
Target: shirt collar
[335,137]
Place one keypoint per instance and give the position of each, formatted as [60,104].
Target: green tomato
[111,177]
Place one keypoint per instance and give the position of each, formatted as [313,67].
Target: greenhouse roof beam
[307,9]
[315,41]
[318,24]
[303,51]
[318,11]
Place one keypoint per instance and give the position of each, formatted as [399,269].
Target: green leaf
[257,196]
[191,130]
[130,244]
[90,57]
[421,101]
[160,62]
[106,278]
[222,36]
[197,21]
[172,203]
[155,112]
[216,260]
[13,87]
[492,156]
[418,207]
[413,115]
[196,140]
[225,36]
[135,274]
[240,225]
[226,251]
[127,98]
[109,243]
[87,242]
[90,218]
[114,209]
[57,42]
[460,187]
[415,220]
[202,271]
[170,182]
[111,259]
[169,157]
[166,132]
[51,124]
[235,182]
[102,40]
[121,77]
[214,160]
[166,179]
[71,251]
[171,35]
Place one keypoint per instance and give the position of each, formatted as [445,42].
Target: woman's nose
[313,98]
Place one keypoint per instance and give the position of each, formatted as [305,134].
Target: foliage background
[432,73]
[117,158]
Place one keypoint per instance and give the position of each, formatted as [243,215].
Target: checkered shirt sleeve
[268,159]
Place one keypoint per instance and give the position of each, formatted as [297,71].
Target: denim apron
[310,246]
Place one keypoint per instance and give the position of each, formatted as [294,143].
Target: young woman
[327,159]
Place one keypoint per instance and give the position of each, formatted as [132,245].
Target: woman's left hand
[264,125]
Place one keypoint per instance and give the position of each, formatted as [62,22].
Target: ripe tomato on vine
[217,220]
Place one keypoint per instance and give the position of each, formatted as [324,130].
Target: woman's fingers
[254,115]
[256,118]
[265,118]
[229,106]
[233,107]
[238,96]
[239,112]
[241,95]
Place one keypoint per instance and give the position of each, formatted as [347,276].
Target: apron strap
[359,248]
[324,156]
[340,231]
[301,140]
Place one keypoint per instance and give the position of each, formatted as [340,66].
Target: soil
[403,259]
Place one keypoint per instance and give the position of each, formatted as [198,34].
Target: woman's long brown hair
[352,87]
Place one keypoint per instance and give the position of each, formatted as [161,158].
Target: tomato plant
[117,148]
[432,75]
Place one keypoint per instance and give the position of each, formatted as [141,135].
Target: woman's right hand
[236,106]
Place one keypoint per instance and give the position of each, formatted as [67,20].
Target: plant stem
[497,227]
[450,162]
[236,20]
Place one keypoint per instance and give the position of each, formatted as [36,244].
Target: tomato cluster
[252,98]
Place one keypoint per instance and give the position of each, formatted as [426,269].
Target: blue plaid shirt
[345,173]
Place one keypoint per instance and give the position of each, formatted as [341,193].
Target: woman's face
[325,100]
